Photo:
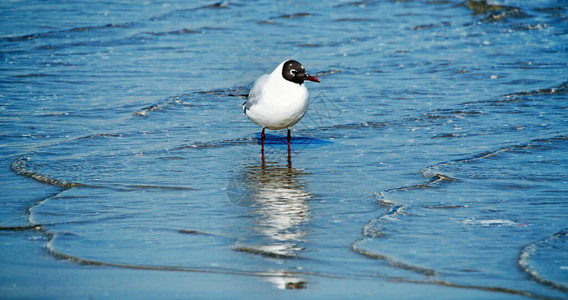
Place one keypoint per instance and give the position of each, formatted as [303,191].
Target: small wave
[193,232]
[326,72]
[431,171]
[218,144]
[175,32]
[560,89]
[483,7]
[173,100]
[224,4]
[369,124]
[76,259]
[529,250]
[433,180]
[20,228]
[354,3]
[397,264]
[430,26]
[217,5]
[382,200]
[48,34]
[442,206]
[353,20]
[529,27]
[158,187]
[20,167]
[33,75]
[266,22]
[100,135]
[266,253]
[504,15]
[371,229]
[515,97]
[238,91]
[271,21]
[310,46]
[294,16]
[491,222]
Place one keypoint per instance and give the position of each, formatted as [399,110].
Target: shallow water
[432,161]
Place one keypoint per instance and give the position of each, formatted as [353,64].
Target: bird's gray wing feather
[255,92]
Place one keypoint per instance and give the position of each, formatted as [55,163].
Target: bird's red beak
[312,78]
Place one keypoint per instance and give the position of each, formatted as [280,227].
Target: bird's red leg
[289,138]
[262,137]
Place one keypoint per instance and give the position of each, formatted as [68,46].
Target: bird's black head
[294,71]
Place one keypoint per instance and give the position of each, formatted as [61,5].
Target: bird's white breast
[276,103]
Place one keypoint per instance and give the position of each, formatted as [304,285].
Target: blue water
[431,163]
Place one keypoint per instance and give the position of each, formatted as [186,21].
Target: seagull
[279,100]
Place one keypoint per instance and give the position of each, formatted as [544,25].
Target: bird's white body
[276,103]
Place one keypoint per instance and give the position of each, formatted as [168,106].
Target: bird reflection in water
[278,198]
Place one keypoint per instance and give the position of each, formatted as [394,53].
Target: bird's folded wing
[256,92]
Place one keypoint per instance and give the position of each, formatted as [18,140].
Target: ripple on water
[451,113]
